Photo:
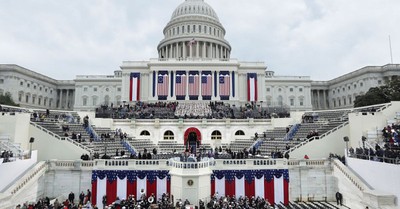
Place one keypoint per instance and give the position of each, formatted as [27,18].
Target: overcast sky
[321,39]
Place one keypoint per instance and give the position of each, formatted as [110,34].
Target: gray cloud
[323,39]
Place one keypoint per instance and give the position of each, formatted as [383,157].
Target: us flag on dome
[123,183]
[272,184]
[193,85]
[206,85]
[224,85]
[180,85]
[162,85]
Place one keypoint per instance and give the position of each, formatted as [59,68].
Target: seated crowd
[389,153]
[233,202]
[195,110]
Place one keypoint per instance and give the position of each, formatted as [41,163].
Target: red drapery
[250,188]
[111,191]
[269,191]
[188,131]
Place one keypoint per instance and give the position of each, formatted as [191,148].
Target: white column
[318,103]
[217,51]
[190,50]
[184,49]
[210,51]
[60,103]
[197,49]
[204,50]
[66,99]
[170,51]
[177,50]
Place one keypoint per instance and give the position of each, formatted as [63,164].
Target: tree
[7,100]
[379,95]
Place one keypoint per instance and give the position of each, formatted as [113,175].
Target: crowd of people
[144,201]
[218,202]
[195,110]
[389,153]
[83,201]
[6,156]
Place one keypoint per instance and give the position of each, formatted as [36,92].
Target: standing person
[81,198]
[89,195]
[71,197]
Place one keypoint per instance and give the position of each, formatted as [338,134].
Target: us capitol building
[194,67]
[194,63]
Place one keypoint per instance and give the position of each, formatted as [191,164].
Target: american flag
[224,85]
[194,85]
[180,85]
[206,84]
[162,85]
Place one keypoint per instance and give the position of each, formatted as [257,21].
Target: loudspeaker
[346,139]
[31,140]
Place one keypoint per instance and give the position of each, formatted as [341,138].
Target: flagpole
[390,48]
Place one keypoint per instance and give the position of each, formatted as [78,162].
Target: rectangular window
[301,102]
[84,101]
[300,89]
[94,89]
[291,102]
[1,81]
[118,89]
[26,99]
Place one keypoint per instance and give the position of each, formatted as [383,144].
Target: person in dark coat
[71,197]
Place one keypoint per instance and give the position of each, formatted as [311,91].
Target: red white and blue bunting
[272,184]
[123,183]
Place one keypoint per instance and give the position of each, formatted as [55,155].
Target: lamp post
[346,139]
[31,140]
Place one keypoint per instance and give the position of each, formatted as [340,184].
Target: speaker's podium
[191,181]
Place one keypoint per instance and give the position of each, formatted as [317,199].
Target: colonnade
[194,49]
[214,84]
[65,98]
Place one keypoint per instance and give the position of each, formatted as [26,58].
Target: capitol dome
[194,7]
[194,31]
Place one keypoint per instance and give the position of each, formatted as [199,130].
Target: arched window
[239,133]
[169,135]
[145,133]
[216,135]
